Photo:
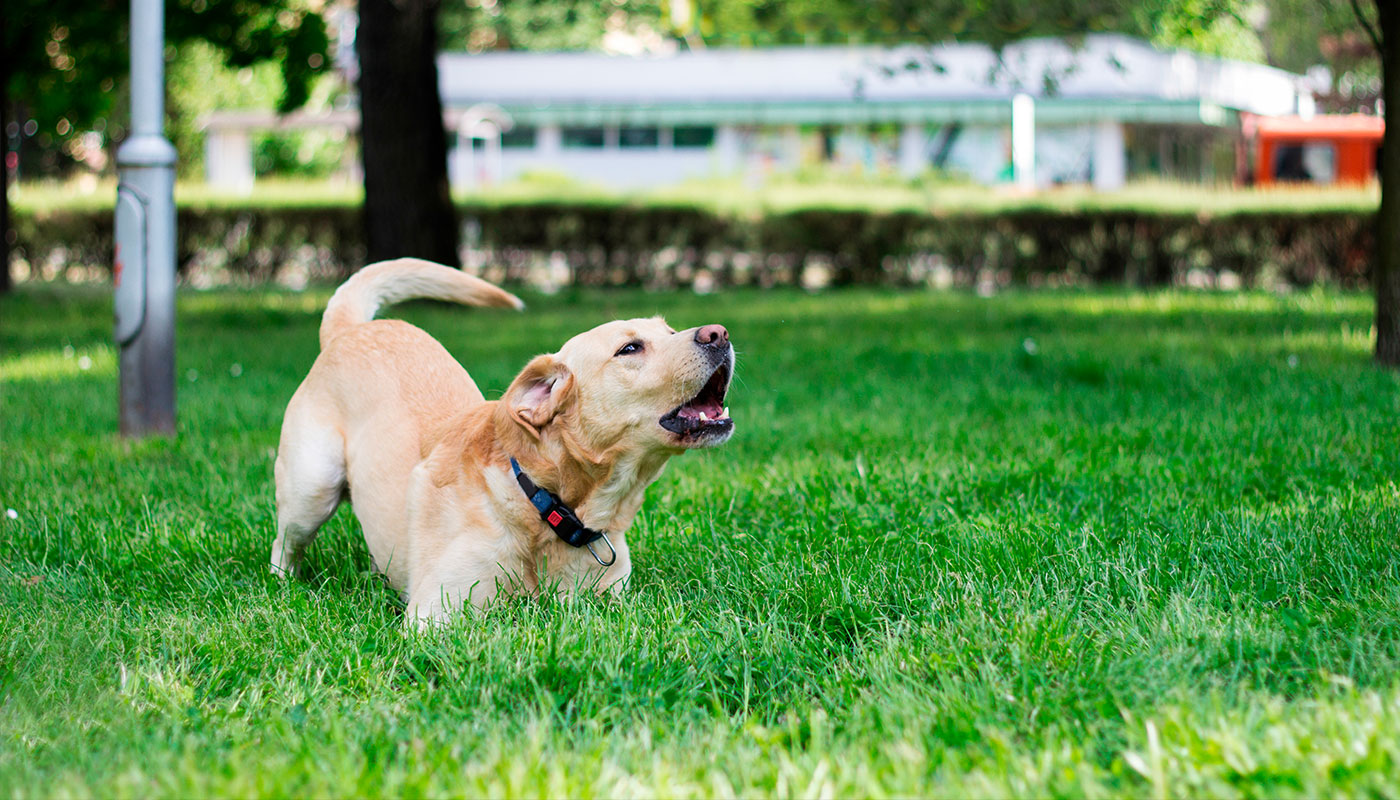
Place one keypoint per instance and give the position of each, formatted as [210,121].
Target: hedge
[615,242]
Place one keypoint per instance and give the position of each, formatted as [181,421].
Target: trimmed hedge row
[620,243]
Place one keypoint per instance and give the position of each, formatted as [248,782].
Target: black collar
[560,518]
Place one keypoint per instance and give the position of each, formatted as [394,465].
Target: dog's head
[635,384]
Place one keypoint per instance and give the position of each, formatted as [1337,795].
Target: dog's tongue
[692,410]
[709,404]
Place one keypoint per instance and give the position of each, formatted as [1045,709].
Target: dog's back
[391,384]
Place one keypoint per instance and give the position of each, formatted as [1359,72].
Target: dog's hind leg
[310,477]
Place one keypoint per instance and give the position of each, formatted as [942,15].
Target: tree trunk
[1387,266]
[6,283]
[408,207]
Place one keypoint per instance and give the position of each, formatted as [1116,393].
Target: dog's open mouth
[705,413]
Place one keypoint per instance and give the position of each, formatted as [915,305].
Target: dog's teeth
[725,413]
[704,418]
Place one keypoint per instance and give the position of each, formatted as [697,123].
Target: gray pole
[144,267]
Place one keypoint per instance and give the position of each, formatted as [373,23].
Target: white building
[1108,109]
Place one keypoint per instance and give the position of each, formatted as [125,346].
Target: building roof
[1105,77]
[1334,126]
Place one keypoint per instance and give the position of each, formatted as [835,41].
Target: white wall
[1078,153]
[228,160]
[1110,156]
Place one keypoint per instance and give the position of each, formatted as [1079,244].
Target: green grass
[1098,543]
[779,194]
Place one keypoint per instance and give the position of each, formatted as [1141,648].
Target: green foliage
[1099,544]
[1296,30]
[199,82]
[1210,26]
[476,25]
[289,33]
[1299,34]
[65,59]
[306,154]
[1215,27]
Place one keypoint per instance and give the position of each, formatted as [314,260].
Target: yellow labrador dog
[462,498]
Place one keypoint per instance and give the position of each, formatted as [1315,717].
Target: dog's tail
[360,298]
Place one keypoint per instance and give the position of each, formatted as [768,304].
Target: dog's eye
[630,348]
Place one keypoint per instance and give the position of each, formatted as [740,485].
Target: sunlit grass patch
[68,362]
[1343,742]
[886,193]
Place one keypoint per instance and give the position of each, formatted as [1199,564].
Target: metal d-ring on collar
[612,554]
[561,519]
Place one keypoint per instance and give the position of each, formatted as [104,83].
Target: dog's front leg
[462,579]
[460,560]
[615,578]
[567,570]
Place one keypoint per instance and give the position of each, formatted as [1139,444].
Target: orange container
[1331,148]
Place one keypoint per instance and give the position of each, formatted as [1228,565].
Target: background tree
[1299,34]
[1211,26]
[1360,41]
[477,25]
[64,65]
[1383,29]
[408,202]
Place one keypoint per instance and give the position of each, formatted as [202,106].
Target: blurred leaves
[1212,26]
[476,25]
[67,61]
[995,22]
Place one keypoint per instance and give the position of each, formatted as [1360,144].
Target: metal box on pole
[144,262]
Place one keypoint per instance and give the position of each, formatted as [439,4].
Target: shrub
[610,241]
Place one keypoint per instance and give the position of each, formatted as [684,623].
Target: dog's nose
[712,335]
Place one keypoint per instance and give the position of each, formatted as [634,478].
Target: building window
[583,138]
[638,137]
[521,136]
[518,137]
[1313,162]
[695,135]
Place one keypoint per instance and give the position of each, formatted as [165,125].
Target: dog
[464,499]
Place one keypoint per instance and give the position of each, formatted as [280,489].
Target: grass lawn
[777,194]
[1088,543]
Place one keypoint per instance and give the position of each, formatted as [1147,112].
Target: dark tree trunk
[6,283]
[408,208]
[1387,266]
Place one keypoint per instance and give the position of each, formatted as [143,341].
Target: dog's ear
[539,393]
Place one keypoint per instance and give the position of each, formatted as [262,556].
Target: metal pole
[144,266]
